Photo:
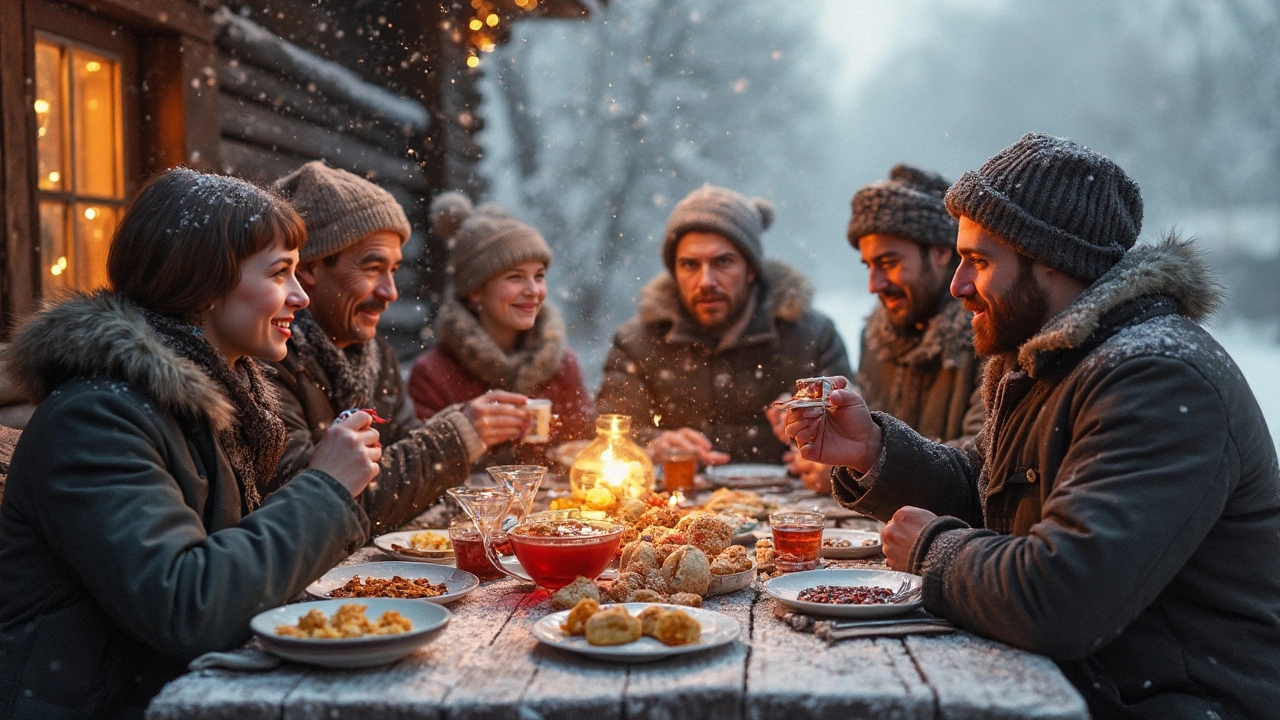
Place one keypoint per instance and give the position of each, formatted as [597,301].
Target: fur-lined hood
[525,371]
[1173,268]
[788,296]
[105,335]
[947,336]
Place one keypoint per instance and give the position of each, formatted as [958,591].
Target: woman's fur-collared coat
[1121,512]
[666,373]
[123,551]
[932,383]
[467,363]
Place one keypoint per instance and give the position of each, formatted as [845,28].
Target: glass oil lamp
[612,468]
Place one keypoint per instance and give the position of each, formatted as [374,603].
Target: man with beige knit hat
[718,336]
[336,361]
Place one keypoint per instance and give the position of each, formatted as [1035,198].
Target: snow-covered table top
[487,664]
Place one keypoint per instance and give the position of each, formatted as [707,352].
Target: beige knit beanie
[339,208]
[483,241]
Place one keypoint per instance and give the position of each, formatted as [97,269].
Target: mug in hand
[541,432]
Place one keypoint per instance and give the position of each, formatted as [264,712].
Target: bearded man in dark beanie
[1120,510]
[336,361]
[917,361]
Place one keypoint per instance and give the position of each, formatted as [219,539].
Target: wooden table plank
[797,676]
[980,679]
[227,695]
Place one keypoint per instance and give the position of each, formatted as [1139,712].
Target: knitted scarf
[256,440]
[352,371]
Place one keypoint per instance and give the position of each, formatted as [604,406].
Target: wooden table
[487,664]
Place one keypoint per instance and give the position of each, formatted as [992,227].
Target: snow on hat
[719,210]
[908,205]
[339,208]
[1055,201]
[484,241]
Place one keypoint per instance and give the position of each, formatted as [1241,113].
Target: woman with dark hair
[134,534]
[499,337]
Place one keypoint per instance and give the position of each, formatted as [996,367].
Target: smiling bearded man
[336,361]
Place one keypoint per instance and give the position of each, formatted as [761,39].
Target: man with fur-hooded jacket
[718,337]
[336,361]
[1120,512]
[917,361]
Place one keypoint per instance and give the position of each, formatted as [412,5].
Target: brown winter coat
[467,363]
[419,461]
[1128,498]
[666,373]
[123,551]
[932,381]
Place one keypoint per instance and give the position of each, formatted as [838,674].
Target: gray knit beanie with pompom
[1055,201]
[483,241]
[715,209]
[908,205]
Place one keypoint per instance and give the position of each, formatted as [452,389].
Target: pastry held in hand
[810,393]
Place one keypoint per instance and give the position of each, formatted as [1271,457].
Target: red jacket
[466,364]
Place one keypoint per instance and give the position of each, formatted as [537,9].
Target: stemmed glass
[523,481]
[488,507]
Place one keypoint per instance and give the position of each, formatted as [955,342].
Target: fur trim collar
[105,335]
[788,296]
[947,336]
[528,370]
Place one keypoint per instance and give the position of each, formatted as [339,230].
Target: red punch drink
[797,539]
[554,552]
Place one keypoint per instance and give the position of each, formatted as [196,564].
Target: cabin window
[80,160]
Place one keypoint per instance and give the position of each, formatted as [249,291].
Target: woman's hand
[499,416]
[686,439]
[350,451]
[842,433]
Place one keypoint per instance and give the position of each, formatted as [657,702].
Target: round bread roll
[687,570]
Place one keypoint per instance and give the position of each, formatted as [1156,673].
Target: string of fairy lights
[482,27]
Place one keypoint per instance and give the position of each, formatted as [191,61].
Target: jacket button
[1031,475]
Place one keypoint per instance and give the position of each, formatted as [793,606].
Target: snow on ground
[1254,349]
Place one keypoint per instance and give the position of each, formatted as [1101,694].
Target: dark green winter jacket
[123,550]
[1123,515]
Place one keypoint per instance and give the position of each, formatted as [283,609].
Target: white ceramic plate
[717,630]
[724,584]
[746,475]
[385,543]
[862,543]
[428,619]
[457,582]
[785,588]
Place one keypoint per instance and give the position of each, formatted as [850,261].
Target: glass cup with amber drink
[468,548]
[679,467]
[797,539]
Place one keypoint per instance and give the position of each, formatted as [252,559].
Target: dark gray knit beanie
[1055,201]
[483,241]
[719,210]
[339,208]
[908,205]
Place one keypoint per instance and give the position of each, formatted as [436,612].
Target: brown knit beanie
[723,211]
[1055,201]
[483,241]
[339,208]
[908,205]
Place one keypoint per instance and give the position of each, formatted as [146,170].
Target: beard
[1009,321]
[923,297]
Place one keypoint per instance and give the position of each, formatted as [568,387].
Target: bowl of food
[554,551]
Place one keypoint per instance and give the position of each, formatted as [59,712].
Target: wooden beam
[252,123]
[289,97]
[250,41]
[18,279]
[180,16]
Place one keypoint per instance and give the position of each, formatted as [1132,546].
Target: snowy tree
[600,126]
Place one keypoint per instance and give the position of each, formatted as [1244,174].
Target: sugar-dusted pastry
[569,595]
[612,626]
[710,534]
[687,570]
[686,599]
[676,627]
[646,595]
[578,616]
